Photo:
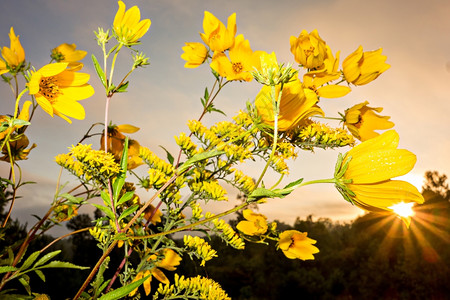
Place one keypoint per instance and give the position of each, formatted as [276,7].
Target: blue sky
[415,91]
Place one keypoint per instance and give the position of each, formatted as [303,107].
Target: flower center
[49,88]
[309,51]
[237,67]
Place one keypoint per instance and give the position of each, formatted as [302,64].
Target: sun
[403,209]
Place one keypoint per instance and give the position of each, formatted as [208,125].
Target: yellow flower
[296,244]
[155,216]
[18,149]
[24,115]
[146,284]
[296,105]
[318,80]
[194,54]
[241,63]
[14,56]
[57,90]
[373,163]
[362,121]
[256,224]
[362,67]
[309,49]
[127,25]
[68,53]
[218,37]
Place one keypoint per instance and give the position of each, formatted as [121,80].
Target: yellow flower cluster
[245,183]
[228,233]
[153,161]
[64,212]
[196,211]
[88,163]
[321,135]
[186,144]
[200,248]
[210,189]
[193,287]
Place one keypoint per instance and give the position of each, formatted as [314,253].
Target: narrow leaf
[99,71]
[25,281]
[128,211]
[5,269]
[169,156]
[125,197]
[122,88]
[62,264]
[120,179]
[40,274]
[199,157]
[106,210]
[46,258]
[72,199]
[19,122]
[124,290]
[30,260]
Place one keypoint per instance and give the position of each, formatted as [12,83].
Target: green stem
[190,226]
[276,108]
[331,180]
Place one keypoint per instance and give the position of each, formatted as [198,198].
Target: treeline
[373,257]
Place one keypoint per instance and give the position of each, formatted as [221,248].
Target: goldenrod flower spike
[362,121]
[13,56]
[296,244]
[127,25]
[368,175]
[58,89]
[363,67]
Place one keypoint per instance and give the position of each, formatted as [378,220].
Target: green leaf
[25,281]
[30,260]
[124,290]
[263,193]
[125,197]
[198,157]
[72,199]
[106,210]
[99,71]
[19,122]
[120,179]
[40,274]
[105,197]
[122,88]
[216,110]
[128,211]
[5,269]
[169,156]
[62,264]
[46,258]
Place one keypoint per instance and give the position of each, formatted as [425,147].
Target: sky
[162,97]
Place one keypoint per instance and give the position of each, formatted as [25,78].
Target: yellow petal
[70,78]
[78,92]
[126,128]
[69,108]
[380,165]
[333,91]
[380,196]
[387,140]
[45,104]
[160,276]
[52,69]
